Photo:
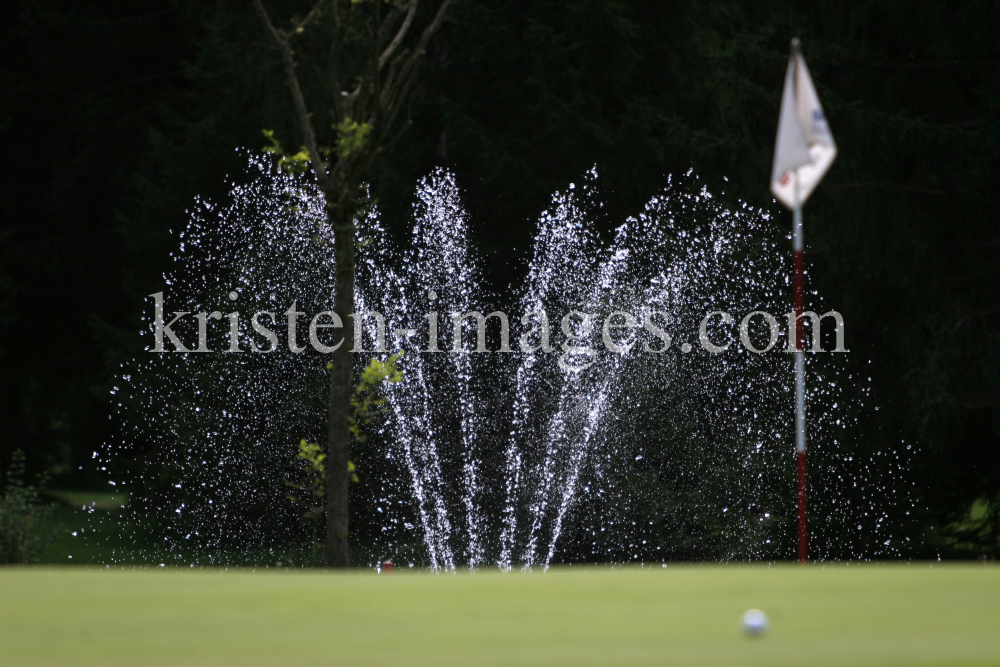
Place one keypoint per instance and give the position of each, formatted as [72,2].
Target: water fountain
[656,451]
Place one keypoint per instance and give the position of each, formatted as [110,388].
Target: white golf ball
[754,622]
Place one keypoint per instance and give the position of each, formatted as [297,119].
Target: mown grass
[917,614]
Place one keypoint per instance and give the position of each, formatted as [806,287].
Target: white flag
[804,149]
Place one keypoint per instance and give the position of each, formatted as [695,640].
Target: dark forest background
[117,113]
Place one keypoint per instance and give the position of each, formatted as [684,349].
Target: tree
[375,55]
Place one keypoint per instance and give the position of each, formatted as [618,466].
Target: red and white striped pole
[800,384]
[803,151]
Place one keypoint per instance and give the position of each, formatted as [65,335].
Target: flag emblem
[804,149]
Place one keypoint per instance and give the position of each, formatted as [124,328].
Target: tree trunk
[341,384]
[365,102]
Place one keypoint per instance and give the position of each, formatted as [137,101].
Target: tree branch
[980,314]
[267,21]
[311,16]
[308,133]
[390,98]
[432,28]
[398,39]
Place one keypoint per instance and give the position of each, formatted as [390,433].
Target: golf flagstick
[803,152]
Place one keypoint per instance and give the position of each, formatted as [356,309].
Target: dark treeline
[116,114]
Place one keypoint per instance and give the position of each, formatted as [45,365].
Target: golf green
[916,614]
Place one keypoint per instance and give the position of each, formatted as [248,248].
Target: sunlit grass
[916,614]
